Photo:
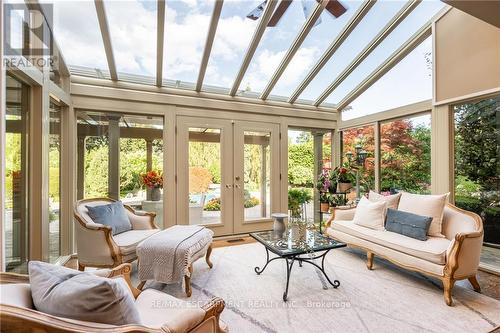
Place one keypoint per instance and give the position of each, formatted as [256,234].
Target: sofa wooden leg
[207,256]
[81,267]
[475,284]
[187,282]
[448,284]
[141,285]
[369,260]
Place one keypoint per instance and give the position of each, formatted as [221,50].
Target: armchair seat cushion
[127,241]
[433,249]
[158,309]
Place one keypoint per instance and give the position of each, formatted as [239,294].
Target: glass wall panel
[362,138]
[257,175]
[406,155]
[477,176]
[54,182]
[121,157]
[16,175]
[205,204]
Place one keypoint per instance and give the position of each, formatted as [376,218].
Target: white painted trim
[106,38]
[160,32]
[465,98]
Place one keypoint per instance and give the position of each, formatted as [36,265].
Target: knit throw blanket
[165,257]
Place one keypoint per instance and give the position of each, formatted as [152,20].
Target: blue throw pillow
[408,224]
[113,215]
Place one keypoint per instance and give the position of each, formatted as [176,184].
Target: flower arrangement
[342,175]
[324,185]
[152,179]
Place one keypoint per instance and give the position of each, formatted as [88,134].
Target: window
[406,155]
[16,176]
[477,180]
[359,139]
[54,182]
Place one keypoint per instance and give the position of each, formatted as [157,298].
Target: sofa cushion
[16,294]
[128,241]
[68,293]
[427,205]
[370,214]
[391,200]
[408,224]
[433,249]
[113,214]
[157,309]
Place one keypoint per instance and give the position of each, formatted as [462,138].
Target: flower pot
[343,187]
[324,206]
[155,194]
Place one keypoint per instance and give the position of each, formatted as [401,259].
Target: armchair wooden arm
[213,309]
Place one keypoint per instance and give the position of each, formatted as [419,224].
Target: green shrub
[251,202]
[469,203]
[213,205]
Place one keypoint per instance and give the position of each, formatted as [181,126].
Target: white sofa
[158,311]
[98,247]
[452,258]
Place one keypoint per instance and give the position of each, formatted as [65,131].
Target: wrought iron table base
[289,264]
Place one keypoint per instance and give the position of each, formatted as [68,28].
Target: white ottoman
[168,255]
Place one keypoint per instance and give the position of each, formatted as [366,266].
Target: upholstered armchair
[158,311]
[96,244]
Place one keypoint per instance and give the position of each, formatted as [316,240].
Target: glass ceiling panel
[186,29]
[417,19]
[132,26]
[315,44]
[367,29]
[382,95]
[274,45]
[231,42]
[79,49]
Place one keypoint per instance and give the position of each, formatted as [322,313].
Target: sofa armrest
[463,255]
[140,219]
[341,214]
[213,309]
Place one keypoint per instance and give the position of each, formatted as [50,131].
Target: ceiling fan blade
[335,8]
[278,13]
[257,11]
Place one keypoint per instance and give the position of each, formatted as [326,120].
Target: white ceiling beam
[106,38]
[379,38]
[257,36]
[339,40]
[160,32]
[214,21]
[388,64]
[306,28]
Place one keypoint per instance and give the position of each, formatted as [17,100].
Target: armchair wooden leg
[369,260]
[475,284]
[448,284]
[187,282]
[207,257]
[81,267]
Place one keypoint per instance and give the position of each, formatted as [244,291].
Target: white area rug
[387,299]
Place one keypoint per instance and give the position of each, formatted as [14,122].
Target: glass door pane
[54,182]
[256,175]
[204,175]
[16,175]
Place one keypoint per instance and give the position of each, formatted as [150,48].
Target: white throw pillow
[370,214]
[391,200]
[427,205]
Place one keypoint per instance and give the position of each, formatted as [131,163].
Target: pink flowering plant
[324,185]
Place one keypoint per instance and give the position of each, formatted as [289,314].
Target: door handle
[229,186]
[237,178]
[237,185]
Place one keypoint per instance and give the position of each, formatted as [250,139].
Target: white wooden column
[114,157]
[2,146]
[442,159]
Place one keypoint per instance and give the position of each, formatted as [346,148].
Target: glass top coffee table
[312,245]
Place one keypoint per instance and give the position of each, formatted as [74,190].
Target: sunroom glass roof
[309,57]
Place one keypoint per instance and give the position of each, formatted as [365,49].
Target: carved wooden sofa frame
[451,271]
[106,232]
[19,319]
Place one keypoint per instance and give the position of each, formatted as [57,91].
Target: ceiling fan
[334,7]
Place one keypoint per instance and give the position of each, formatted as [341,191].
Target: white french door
[227,174]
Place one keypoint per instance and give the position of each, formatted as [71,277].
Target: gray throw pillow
[113,214]
[68,293]
[408,224]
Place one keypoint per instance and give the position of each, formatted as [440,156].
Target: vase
[155,194]
[324,206]
[279,226]
[343,187]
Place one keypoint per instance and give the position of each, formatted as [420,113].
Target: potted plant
[153,180]
[324,186]
[344,177]
[296,199]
